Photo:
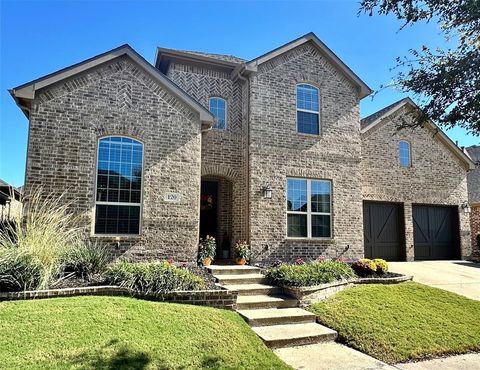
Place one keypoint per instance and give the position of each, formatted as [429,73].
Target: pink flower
[170,261]
[299,261]
[321,258]
[341,259]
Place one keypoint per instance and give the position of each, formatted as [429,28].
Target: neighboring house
[474,195]
[279,161]
[10,201]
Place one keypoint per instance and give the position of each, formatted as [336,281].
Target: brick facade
[475,225]
[259,146]
[435,177]
[120,99]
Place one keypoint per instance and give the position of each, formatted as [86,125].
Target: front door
[209,209]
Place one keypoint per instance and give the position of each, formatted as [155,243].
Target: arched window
[308,112]
[218,107]
[119,186]
[404,153]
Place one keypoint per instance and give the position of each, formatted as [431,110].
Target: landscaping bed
[403,322]
[126,333]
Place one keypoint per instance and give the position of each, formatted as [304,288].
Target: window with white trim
[119,186]
[308,109]
[404,153]
[218,107]
[309,208]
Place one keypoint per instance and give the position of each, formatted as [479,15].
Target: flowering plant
[242,250]
[207,248]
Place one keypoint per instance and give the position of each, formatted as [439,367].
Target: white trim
[309,212]
[307,110]
[226,112]
[95,202]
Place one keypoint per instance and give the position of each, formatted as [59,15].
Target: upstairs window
[404,153]
[218,107]
[119,186]
[309,208]
[308,116]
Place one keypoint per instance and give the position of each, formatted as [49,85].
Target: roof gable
[380,118]
[364,90]
[25,93]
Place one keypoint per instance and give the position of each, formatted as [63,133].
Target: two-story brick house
[270,150]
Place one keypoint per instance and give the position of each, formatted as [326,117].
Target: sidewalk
[469,361]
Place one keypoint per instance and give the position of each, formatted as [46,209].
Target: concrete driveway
[459,277]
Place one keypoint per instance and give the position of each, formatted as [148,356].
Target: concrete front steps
[274,317]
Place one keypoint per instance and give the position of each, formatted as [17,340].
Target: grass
[397,323]
[125,333]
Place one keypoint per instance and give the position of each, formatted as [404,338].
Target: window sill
[310,240]
[114,238]
[309,135]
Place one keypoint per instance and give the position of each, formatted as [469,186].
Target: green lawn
[125,333]
[396,323]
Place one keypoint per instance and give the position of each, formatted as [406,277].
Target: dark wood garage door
[383,231]
[435,232]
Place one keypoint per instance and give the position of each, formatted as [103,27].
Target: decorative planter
[313,294]
[241,261]
[207,261]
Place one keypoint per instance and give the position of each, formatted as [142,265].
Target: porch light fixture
[266,191]
[466,207]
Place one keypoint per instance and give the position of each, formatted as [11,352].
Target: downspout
[246,80]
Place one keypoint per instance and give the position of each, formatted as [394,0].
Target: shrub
[364,267]
[152,277]
[309,274]
[86,259]
[39,240]
[207,248]
[242,250]
[382,265]
[18,271]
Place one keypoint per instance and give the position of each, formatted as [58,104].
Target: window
[309,208]
[218,107]
[404,153]
[308,117]
[119,186]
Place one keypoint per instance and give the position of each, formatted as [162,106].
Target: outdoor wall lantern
[267,191]
[466,208]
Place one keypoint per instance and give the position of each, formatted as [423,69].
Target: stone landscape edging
[220,298]
[309,295]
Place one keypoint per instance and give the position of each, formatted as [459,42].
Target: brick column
[408,220]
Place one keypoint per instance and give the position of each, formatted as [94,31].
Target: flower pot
[207,261]
[241,261]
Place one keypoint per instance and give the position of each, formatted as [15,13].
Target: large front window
[308,110]
[119,186]
[309,208]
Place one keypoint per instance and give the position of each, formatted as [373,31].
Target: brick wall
[475,225]
[223,151]
[436,176]
[277,151]
[118,98]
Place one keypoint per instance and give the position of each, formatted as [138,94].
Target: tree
[447,81]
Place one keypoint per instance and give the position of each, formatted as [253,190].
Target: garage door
[435,232]
[383,231]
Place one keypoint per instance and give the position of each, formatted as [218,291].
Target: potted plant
[242,252]
[206,250]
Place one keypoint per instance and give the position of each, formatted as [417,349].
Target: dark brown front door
[209,209]
[383,231]
[435,232]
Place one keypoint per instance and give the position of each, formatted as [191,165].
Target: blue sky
[40,37]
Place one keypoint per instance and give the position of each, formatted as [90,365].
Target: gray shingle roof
[371,118]
[223,57]
[474,153]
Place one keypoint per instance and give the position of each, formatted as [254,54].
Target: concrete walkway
[329,356]
[461,362]
[461,277]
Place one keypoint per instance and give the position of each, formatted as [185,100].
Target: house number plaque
[172,197]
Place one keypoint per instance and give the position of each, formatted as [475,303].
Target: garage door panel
[435,230]
[383,231]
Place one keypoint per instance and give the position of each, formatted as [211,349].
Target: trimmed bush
[382,265]
[309,274]
[364,267]
[152,277]
[86,260]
